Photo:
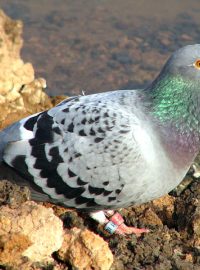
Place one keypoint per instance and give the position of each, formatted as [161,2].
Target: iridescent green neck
[174,101]
[175,109]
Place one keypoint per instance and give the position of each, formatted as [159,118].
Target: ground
[174,220]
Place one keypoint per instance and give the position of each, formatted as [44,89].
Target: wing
[78,152]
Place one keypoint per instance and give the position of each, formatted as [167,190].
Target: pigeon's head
[185,62]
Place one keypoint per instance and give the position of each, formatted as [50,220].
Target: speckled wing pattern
[78,151]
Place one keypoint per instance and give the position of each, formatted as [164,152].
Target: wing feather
[77,152]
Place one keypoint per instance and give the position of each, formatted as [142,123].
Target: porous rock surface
[38,230]
[20,93]
[85,250]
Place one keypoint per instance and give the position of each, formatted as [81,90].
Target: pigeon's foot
[115,223]
[124,230]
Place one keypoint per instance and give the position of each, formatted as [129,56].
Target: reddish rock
[85,250]
[37,224]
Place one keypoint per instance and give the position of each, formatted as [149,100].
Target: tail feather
[13,133]
[16,134]
[7,135]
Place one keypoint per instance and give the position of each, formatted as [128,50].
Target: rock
[188,215]
[196,226]
[11,248]
[185,183]
[164,208]
[12,194]
[186,37]
[151,217]
[165,38]
[38,230]
[85,250]
[32,92]
[196,167]
[20,93]
[159,212]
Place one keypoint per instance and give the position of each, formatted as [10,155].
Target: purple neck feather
[181,147]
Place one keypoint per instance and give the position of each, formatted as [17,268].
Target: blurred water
[99,45]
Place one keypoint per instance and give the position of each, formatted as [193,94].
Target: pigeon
[105,151]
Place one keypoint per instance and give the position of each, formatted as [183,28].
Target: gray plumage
[101,151]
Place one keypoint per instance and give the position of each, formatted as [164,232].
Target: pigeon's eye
[197,64]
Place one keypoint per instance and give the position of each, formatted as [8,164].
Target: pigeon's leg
[115,223]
